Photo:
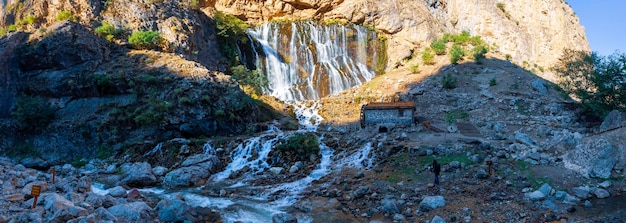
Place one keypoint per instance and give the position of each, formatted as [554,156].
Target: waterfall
[307,60]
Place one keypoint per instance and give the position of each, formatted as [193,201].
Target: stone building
[386,115]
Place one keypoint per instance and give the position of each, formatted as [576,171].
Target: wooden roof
[390,105]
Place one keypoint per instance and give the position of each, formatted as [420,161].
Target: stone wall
[388,117]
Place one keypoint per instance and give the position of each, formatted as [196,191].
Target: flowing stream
[303,62]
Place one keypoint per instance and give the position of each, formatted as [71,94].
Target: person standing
[436,168]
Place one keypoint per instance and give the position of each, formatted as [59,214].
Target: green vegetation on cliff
[462,44]
[145,39]
[33,113]
[230,32]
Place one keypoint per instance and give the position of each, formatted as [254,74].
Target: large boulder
[137,175]
[206,161]
[432,202]
[592,158]
[175,211]
[185,177]
[135,211]
[613,120]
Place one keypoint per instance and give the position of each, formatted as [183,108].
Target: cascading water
[307,60]
[303,62]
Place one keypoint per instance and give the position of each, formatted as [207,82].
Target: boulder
[535,195]
[175,211]
[432,202]
[118,191]
[159,171]
[600,193]
[54,202]
[592,158]
[614,119]
[137,175]
[538,86]
[390,205]
[105,214]
[135,211]
[437,219]
[84,185]
[206,161]
[283,218]
[546,189]
[186,176]
[582,192]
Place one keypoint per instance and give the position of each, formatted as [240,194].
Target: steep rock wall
[535,32]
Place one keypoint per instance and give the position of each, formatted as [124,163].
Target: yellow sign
[35,191]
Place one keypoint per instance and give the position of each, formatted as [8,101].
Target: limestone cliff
[531,32]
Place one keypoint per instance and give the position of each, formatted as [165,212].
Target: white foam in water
[207,202]
[208,149]
[241,156]
[293,189]
[308,117]
[98,189]
[359,159]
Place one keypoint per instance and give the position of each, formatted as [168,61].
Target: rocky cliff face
[531,32]
[107,97]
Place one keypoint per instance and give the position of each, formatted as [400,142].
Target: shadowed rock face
[9,71]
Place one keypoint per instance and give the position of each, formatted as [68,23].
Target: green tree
[598,82]
[230,31]
[145,39]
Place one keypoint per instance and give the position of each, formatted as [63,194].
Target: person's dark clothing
[436,168]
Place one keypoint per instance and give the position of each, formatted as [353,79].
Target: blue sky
[604,22]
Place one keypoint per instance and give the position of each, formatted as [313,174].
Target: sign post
[36,190]
[52,171]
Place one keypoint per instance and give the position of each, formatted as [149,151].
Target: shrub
[2,32]
[299,145]
[194,4]
[185,101]
[492,82]
[448,81]
[65,15]
[12,28]
[33,113]
[252,80]
[415,68]
[145,39]
[31,19]
[456,53]
[479,53]
[428,57]
[439,46]
[107,30]
[501,6]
